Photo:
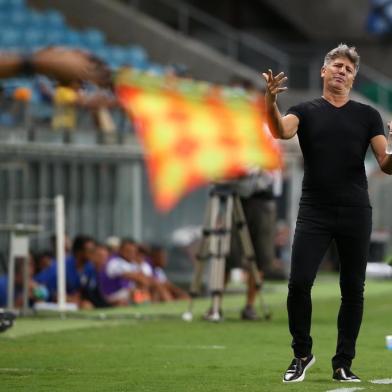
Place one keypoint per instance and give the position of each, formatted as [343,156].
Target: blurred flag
[194,133]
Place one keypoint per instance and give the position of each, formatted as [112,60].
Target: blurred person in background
[36,291]
[158,258]
[43,89]
[43,260]
[334,134]
[159,290]
[62,64]
[79,272]
[281,262]
[91,289]
[258,192]
[66,99]
[59,63]
[120,280]
[67,66]
[20,110]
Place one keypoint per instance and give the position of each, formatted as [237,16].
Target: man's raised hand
[274,85]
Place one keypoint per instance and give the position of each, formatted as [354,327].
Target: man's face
[88,250]
[129,252]
[339,75]
[100,256]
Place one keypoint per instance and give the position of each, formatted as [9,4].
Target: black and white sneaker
[209,315]
[345,375]
[297,369]
[6,320]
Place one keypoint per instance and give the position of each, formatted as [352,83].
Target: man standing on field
[334,134]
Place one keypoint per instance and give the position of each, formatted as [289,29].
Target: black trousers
[350,227]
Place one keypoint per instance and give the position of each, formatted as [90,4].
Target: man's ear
[322,72]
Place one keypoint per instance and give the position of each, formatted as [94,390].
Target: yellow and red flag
[194,133]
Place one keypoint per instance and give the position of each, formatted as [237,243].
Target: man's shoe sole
[334,379]
[299,379]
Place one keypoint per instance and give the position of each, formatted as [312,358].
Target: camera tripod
[224,209]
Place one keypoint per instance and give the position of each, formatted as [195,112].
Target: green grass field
[149,348]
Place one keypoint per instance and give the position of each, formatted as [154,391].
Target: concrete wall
[329,22]
[325,19]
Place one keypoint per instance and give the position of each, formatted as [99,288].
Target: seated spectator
[5,108]
[66,99]
[100,102]
[158,258]
[90,288]
[21,106]
[79,272]
[70,97]
[43,260]
[120,280]
[36,292]
[43,94]
[159,289]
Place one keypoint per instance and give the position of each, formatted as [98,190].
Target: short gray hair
[343,50]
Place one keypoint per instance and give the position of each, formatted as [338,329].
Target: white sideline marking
[213,347]
[345,390]
[30,370]
[383,381]
[16,370]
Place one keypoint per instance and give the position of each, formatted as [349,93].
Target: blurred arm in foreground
[63,64]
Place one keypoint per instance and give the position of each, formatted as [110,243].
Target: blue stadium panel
[54,19]
[156,69]
[72,38]
[33,37]
[25,28]
[17,18]
[11,38]
[92,38]
[12,4]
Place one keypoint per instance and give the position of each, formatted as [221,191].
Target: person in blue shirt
[36,292]
[4,289]
[79,273]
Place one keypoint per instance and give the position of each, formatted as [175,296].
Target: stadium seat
[54,19]
[156,69]
[93,39]
[33,37]
[36,19]
[118,54]
[137,57]
[12,4]
[10,38]
[72,38]
[24,28]
[54,37]
[17,18]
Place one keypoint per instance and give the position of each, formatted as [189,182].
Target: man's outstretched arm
[281,127]
[56,62]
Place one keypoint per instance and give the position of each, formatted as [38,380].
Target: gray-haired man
[334,134]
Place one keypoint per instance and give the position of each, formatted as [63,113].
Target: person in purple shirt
[114,289]
[121,277]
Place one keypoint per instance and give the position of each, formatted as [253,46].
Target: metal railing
[303,71]
[375,86]
[197,24]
